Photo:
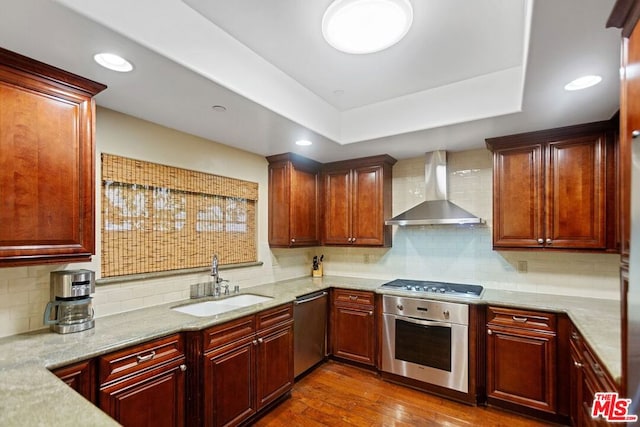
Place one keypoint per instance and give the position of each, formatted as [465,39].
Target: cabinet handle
[353,297]
[400,307]
[150,356]
[635,134]
[597,370]
[260,340]
[549,241]
[489,332]
[183,367]
[540,241]
[577,364]
[575,336]
[519,319]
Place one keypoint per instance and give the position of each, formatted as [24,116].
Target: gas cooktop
[427,287]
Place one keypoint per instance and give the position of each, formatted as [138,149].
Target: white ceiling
[467,70]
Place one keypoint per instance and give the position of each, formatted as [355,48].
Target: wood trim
[548,135]
[360,162]
[624,15]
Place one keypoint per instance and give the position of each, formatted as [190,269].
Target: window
[159,218]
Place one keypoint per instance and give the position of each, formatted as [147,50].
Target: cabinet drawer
[540,321]
[140,358]
[598,374]
[274,316]
[229,332]
[344,296]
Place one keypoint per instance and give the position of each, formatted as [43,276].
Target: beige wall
[425,252]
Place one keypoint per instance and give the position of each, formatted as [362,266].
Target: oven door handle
[423,322]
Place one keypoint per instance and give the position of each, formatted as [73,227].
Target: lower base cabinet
[521,359]
[81,377]
[144,385]
[246,365]
[353,327]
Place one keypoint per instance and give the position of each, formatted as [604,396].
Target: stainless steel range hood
[436,209]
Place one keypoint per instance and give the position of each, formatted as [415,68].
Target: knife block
[318,272]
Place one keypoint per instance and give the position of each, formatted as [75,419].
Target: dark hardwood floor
[341,395]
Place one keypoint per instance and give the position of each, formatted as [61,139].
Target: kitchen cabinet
[294,201]
[81,377]
[556,189]
[587,377]
[353,326]
[521,359]
[246,365]
[46,163]
[357,200]
[145,384]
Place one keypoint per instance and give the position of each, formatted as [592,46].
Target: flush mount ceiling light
[113,62]
[583,82]
[303,142]
[366,26]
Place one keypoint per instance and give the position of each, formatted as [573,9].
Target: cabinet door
[305,223]
[229,384]
[367,206]
[518,199]
[46,163]
[156,398]
[337,188]
[274,364]
[575,185]
[81,377]
[575,378]
[354,334]
[521,368]
[279,206]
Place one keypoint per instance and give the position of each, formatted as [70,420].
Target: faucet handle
[226,287]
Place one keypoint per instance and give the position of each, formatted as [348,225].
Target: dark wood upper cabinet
[556,189]
[357,200]
[294,201]
[46,163]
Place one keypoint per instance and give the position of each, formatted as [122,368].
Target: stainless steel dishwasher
[309,331]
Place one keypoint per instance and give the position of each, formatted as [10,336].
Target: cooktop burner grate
[429,287]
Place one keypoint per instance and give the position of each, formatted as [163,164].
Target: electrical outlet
[522,266]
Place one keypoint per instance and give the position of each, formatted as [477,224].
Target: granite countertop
[31,395]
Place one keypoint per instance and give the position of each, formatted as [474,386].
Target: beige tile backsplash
[449,253]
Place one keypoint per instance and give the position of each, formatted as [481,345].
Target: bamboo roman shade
[158,218]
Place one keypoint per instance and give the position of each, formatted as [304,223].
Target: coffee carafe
[70,308]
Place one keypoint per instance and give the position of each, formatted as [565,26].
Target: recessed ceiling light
[366,26]
[338,92]
[583,82]
[113,62]
[219,108]
[303,142]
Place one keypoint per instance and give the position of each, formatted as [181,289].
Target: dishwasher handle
[314,297]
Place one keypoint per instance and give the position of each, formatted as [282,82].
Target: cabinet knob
[349,240]
[577,364]
[183,367]
[260,340]
[635,134]
[254,342]
[371,313]
[400,307]
[489,332]
[549,241]
[353,240]
[293,240]
[446,314]
[541,241]
[575,336]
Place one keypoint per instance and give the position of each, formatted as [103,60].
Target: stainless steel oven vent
[436,209]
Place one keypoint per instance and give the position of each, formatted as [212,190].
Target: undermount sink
[211,308]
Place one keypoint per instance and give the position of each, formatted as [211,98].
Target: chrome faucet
[216,278]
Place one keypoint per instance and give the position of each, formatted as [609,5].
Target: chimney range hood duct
[436,209]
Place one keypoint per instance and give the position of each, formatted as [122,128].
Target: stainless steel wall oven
[426,340]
